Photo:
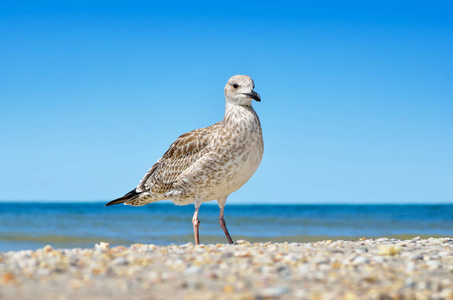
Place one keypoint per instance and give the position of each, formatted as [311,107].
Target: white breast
[246,148]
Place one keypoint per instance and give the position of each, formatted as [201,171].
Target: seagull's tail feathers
[135,198]
[129,196]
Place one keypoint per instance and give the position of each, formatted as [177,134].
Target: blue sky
[357,96]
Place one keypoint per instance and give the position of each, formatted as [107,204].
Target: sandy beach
[366,269]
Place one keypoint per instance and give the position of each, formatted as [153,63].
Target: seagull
[208,163]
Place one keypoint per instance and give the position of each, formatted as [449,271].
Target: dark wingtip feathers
[123,199]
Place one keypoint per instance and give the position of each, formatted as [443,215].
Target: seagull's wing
[163,175]
[185,151]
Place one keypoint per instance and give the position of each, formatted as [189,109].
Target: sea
[29,226]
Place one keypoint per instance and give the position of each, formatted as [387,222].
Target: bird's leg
[223,225]
[222,220]
[196,223]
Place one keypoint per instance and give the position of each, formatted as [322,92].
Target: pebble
[360,260]
[193,270]
[365,269]
[120,261]
[274,291]
[389,249]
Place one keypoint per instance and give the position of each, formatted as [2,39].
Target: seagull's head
[239,90]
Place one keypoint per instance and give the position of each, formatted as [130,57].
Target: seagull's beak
[254,95]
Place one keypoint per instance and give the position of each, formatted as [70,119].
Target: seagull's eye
[235,85]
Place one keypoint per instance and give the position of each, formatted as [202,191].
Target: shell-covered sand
[366,269]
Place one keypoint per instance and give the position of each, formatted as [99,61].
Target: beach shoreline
[380,268]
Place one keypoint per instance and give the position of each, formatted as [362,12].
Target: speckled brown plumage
[186,150]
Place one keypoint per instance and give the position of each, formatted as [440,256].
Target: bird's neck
[235,114]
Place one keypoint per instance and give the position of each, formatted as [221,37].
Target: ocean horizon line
[168,202]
